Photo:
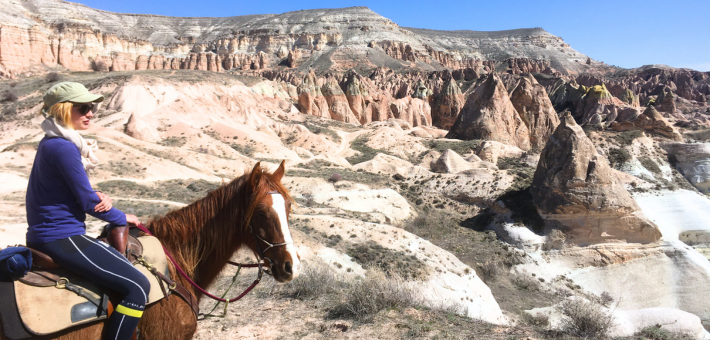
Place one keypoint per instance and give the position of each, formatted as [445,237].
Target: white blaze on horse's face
[279,205]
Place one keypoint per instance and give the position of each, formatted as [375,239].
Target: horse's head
[270,209]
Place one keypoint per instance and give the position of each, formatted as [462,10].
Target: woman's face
[80,121]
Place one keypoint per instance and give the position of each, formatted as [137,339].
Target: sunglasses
[84,108]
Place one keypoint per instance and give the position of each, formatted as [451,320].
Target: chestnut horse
[203,236]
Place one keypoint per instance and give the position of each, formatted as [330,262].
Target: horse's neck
[204,235]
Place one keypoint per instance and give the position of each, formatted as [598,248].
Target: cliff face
[51,32]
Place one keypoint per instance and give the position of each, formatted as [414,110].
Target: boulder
[575,190]
[535,108]
[489,114]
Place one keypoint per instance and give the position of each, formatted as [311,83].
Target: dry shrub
[488,270]
[8,96]
[525,281]
[366,297]
[537,320]
[656,333]
[585,319]
[606,299]
[315,281]
[52,77]
[309,198]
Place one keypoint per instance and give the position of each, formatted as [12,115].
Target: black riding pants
[106,267]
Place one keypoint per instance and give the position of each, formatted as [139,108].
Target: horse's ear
[279,173]
[255,175]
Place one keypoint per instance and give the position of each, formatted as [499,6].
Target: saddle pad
[46,310]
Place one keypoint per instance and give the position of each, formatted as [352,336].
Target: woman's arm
[68,162]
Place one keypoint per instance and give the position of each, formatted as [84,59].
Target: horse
[251,211]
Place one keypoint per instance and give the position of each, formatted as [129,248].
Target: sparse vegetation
[366,153]
[525,281]
[650,165]
[246,150]
[618,156]
[585,319]
[172,190]
[460,147]
[392,262]
[656,333]
[173,141]
[627,137]
[366,297]
[8,96]
[319,129]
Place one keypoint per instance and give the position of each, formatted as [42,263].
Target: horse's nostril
[288,269]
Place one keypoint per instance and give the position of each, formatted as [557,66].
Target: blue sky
[623,33]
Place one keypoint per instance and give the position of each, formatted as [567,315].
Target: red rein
[142,228]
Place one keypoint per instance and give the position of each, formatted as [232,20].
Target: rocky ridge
[52,32]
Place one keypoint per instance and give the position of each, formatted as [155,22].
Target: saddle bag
[15,262]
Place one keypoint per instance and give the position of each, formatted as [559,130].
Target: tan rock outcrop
[653,122]
[532,103]
[576,190]
[338,103]
[412,110]
[491,151]
[138,129]
[310,97]
[489,114]
[446,105]
[451,162]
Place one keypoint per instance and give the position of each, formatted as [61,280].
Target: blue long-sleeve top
[59,194]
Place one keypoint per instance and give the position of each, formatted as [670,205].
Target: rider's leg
[105,266]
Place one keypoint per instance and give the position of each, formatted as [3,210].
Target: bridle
[259,264]
[262,253]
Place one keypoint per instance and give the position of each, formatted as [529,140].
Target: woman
[59,196]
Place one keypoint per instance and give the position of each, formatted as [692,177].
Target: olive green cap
[68,92]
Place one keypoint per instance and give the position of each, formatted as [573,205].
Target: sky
[622,33]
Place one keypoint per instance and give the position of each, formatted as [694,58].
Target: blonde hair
[62,114]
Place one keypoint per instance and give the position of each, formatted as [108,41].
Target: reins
[239,266]
[142,228]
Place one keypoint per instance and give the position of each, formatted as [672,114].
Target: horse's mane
[208,226]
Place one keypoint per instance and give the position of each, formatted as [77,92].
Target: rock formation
[532,103]
[489,114]
[576,190]
[338,103]
[447,105]
[652,122]
[693,161]
[310,98]
[412,110]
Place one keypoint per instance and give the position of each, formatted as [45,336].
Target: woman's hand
[105,204]
[132,220]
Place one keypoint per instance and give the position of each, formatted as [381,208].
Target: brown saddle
[81,300]
[43,266]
